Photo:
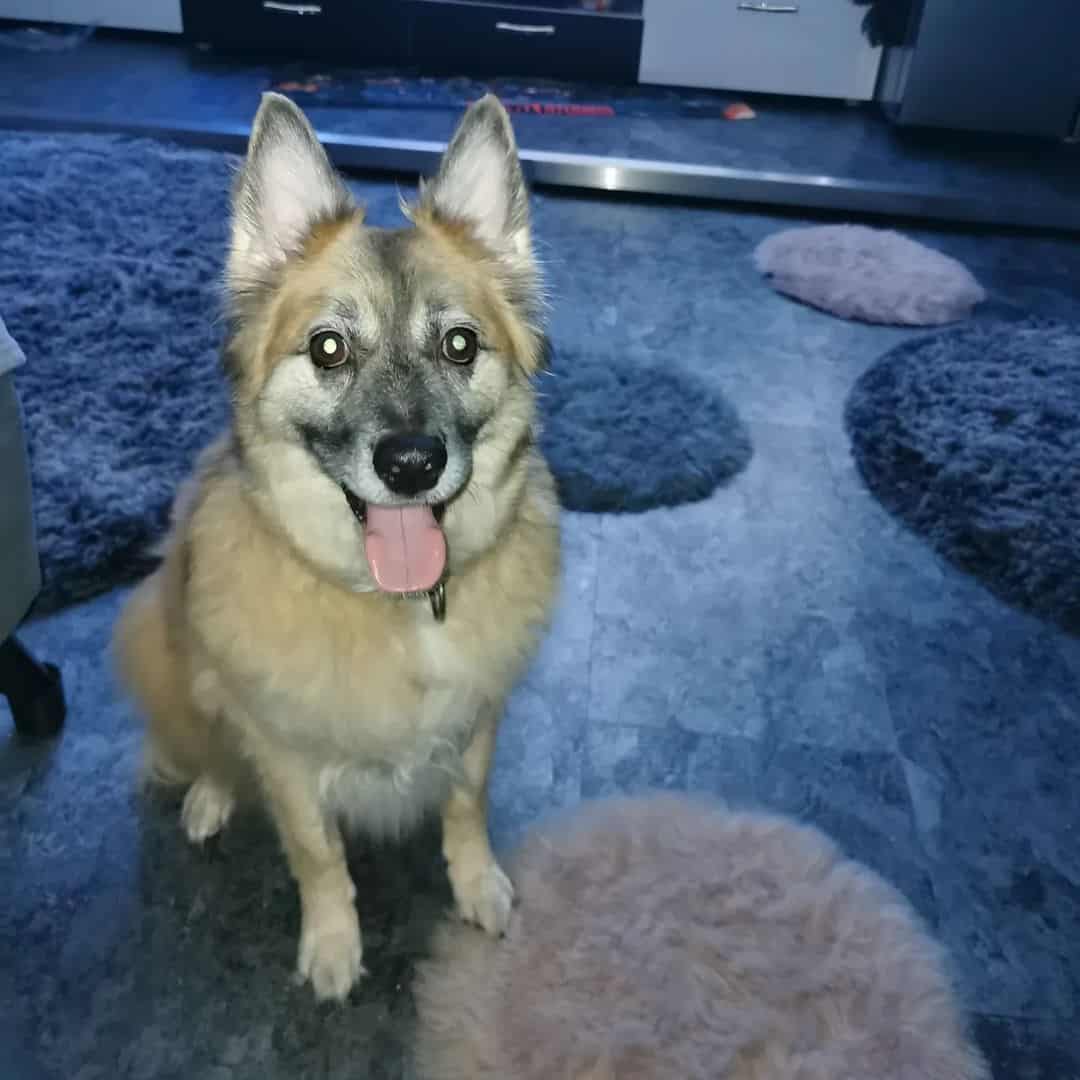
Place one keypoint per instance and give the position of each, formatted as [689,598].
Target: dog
[363,564]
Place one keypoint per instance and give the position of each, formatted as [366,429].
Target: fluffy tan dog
[362,565]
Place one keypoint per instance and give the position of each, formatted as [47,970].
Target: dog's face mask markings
[413,339]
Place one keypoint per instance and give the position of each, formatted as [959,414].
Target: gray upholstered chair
[34,690]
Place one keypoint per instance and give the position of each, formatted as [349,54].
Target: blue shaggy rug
[110,258]
[972,437]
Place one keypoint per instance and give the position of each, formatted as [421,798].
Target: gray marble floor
[784,643]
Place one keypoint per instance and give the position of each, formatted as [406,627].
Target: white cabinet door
[162,15]
[810,47]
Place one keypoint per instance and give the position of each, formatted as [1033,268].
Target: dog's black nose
[410,462]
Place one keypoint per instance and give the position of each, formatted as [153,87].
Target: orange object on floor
[739,111]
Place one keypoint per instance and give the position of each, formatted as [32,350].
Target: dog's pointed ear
[480,183]
[285,188]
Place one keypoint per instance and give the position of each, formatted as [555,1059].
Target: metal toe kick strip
[630,176]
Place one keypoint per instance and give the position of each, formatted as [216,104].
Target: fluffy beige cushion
[663,938]
[874,275]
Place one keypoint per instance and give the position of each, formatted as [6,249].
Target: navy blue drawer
[367,32]
[458,36]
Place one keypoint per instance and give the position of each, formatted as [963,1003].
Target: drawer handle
[545,29]
[768,9]
[292,9]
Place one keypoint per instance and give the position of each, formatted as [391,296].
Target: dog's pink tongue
[406,549]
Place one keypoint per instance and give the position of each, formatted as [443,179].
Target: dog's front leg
[482,891]
[331,953]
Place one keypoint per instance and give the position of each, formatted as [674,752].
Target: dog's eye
[460,345]
[327,349]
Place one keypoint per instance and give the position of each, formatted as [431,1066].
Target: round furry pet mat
[660,938]
[972,438]
[873,275]
[622,435]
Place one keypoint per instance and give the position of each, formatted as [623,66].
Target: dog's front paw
[483,893]
[206,810]
[331,954]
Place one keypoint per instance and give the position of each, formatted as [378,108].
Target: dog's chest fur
[412,771]
[375,695]
[382,729]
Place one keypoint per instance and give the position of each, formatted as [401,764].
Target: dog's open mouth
[405,546]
